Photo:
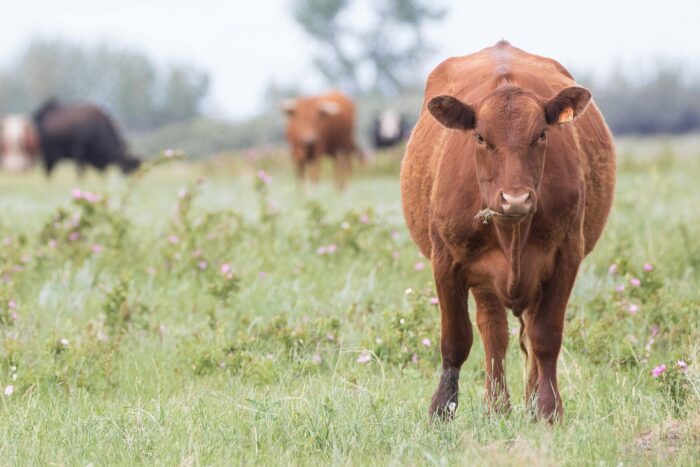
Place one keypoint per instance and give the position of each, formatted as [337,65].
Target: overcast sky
[246,44]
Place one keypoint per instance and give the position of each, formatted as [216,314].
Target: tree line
[139,93]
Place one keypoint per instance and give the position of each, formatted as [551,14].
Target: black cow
[390,129]
[83,133]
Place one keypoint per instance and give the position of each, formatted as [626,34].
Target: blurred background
[207,77]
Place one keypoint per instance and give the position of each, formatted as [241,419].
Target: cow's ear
[288,106]
[452,113]
[329,108]
[567,105]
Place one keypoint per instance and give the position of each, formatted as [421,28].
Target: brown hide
[489,137]
[321,126]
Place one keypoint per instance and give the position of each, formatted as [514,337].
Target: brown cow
[506,185]
[318,126]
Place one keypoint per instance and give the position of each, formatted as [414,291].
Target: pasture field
[199,315]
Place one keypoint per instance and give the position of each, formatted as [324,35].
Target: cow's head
[305,117]
[510,129]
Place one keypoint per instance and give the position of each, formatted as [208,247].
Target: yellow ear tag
[566,115]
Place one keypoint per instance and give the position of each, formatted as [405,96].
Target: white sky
[246,44]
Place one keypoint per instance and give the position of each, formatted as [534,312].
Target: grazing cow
[506,185]
[83,133]
[19,146]
[390,129]
[318,126]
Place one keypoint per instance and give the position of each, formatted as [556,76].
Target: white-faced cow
[19,145]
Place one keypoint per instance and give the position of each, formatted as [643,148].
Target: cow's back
[471,78]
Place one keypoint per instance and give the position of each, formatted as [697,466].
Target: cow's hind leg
[342,169]
[492,321]
[455,329]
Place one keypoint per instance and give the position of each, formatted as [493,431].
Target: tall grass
[215,316]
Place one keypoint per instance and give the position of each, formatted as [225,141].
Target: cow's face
[510,129]
[305,119]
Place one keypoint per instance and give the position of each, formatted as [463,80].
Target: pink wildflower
[96,248]
[182,193]
[414,359]
[634,282]
[262,274]
[612,270]
[90,197]
[73,236]
[364,357]
[633,309]
[331,248]
[620,288]
[14,316]
[321,250]
[7,240]
[316,359]
[434,301]
[202,265]
[682,365]
[654,331]
[12,304]
[658,371]
[262,175]
[76,193]
[225,268]
[174,239]
[52,243]
[395,234]
[9,389]
[419,266]
[648,267]
[426,342]
[364,219]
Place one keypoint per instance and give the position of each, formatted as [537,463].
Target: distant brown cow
[507,184]
[318,126]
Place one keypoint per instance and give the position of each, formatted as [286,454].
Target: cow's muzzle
[515,204]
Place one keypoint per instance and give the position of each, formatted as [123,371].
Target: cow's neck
[512,239]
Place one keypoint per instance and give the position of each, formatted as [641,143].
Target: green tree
[382,55]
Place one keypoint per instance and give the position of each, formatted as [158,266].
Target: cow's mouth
[510,219]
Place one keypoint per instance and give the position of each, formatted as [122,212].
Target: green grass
[168,363]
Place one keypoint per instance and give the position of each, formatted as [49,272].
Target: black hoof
[444,402]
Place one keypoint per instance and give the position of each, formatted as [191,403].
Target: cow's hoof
[444,403]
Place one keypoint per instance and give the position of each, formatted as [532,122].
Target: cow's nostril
[516,200]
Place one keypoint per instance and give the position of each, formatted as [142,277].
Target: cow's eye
[480,139]
[543,135]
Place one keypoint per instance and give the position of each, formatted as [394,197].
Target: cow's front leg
[455,330]
[315,169]
[493,326]
[545,328]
